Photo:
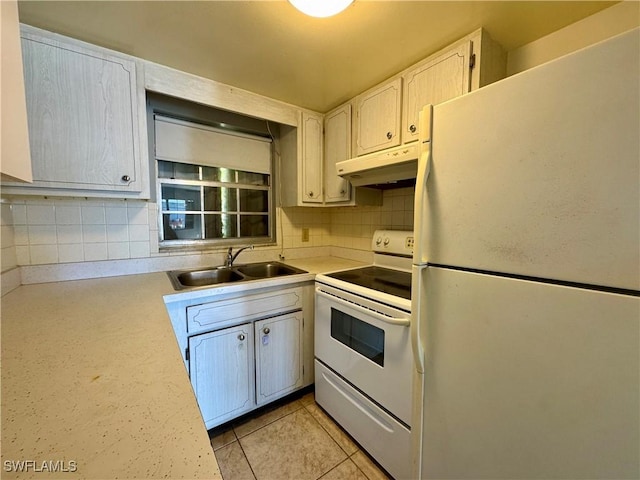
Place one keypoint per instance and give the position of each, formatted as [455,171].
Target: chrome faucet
[231,257]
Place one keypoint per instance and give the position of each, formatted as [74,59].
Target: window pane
[220,226]
[180,197]
[254,200]
[253,178]
[181,226]
[215,174]
[254,225]
[179,171]
[220,199]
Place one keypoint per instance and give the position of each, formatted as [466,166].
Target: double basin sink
[183,279]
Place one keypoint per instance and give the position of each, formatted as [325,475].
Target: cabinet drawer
[241,309]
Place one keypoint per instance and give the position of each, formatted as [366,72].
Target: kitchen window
[214,186]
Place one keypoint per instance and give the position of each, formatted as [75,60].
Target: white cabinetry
[221,367]
[248,350]
[311,158]
[308,156]
[278,351]
[337,147]
[392,107]
[434,81]
[83,105]
[16,159]
[378,117]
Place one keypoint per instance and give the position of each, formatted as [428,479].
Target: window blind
[187,142]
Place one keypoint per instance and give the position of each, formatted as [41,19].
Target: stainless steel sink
[210,276]
[183,279]
[267,270]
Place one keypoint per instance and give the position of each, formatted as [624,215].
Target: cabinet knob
[266,330]
[126,178]
[311,194]
[413,129]
[241,337]
[389,135]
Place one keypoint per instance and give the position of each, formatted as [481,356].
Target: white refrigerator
[526,278]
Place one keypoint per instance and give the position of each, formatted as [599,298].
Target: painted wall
[605,24]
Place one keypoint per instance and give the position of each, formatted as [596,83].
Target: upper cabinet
[84,107]
[434,81]
[387,114]
[378,117]
[16,159]
[312,157]
[309,153]
[337,147]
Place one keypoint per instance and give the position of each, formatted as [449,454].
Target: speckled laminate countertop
[93,384]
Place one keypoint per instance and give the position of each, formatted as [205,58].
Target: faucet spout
[231,257]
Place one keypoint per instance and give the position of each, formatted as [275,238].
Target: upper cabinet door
[16,159]
[82,110]
[435,81]
[378,118]
[311,158]
[337,147]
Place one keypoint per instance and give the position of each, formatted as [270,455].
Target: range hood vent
[398,165]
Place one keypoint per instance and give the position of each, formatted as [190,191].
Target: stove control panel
[396,242]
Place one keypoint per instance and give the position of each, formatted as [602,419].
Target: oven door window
[360,336]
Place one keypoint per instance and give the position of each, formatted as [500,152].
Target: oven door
[367,344]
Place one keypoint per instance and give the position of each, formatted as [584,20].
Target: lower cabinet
[222,373]
[236,369]
[278,354]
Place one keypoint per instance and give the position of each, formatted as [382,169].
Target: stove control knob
[386,241]
[378,241]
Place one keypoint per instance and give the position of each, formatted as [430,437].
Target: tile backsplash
[40,231]
[69,230]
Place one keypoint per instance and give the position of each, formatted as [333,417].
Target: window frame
[270,213]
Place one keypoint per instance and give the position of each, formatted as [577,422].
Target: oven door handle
[402,322]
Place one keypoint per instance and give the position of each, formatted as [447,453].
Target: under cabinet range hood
[384,168]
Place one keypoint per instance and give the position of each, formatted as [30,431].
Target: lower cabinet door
[278,343]
[222,373]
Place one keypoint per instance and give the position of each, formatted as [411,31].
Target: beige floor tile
[220,439]
[336,432]
[368,467]
[267,417]
[308,398]
[293,447]
[233,464]
[347,470]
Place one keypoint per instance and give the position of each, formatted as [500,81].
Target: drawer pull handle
[241,337]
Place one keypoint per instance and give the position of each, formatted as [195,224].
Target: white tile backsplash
[72,252]
[116,216]
[46,231]
[93,215]
[43,254]
[68,215]
[41,215]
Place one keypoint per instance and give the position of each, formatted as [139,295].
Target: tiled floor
[294,440]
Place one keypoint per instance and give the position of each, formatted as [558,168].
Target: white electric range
[363,359]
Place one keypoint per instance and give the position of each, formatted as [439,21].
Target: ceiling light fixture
[321,8]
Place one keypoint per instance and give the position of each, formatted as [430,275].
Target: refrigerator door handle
[418,316]
[420,222]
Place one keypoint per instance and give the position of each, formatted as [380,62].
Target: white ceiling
[268,47]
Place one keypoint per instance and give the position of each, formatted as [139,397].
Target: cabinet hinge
[472,61]
[186,353]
